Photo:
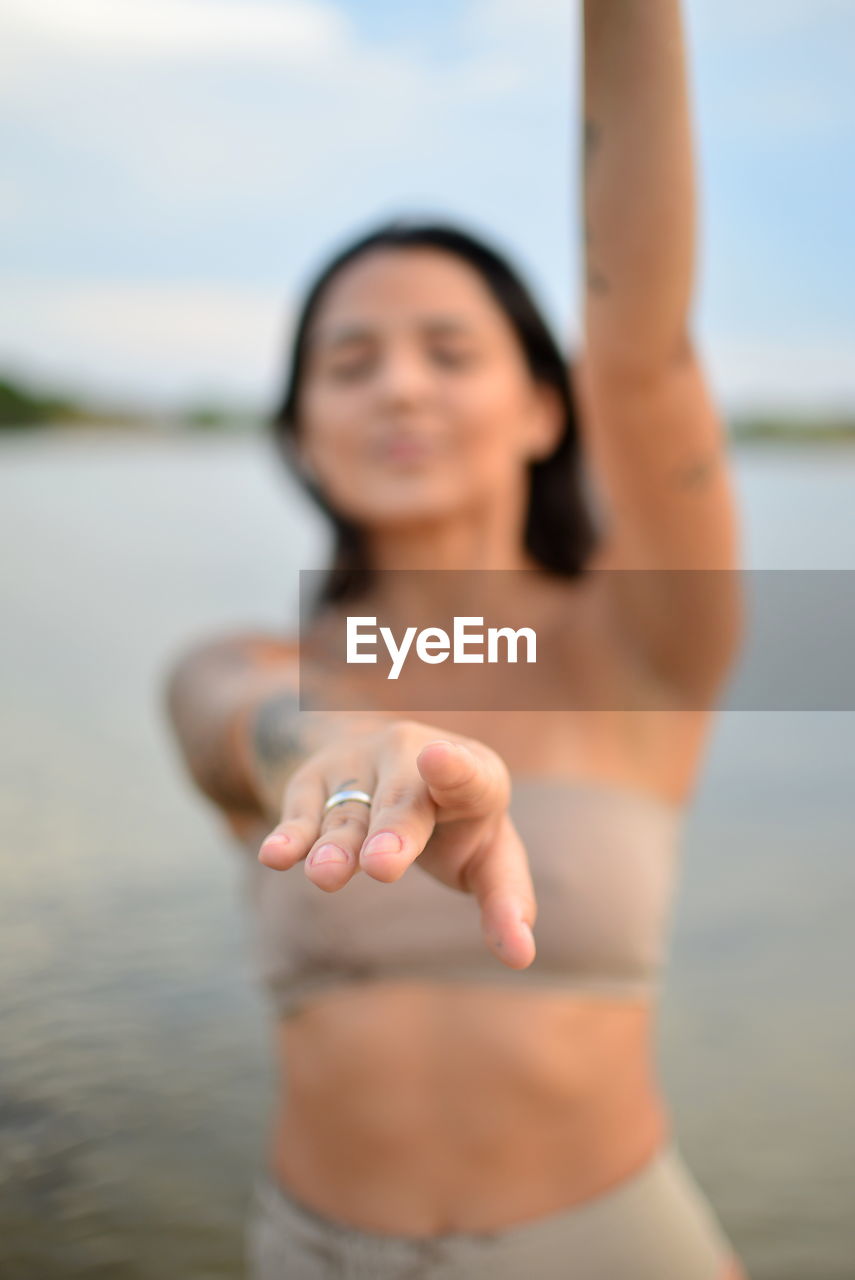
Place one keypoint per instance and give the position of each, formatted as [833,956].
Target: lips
[404,450]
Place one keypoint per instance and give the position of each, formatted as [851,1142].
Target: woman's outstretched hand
[441,800]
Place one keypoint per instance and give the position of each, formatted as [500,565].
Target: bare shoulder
[205,690]
[218,657]
[241,645]
[209,680]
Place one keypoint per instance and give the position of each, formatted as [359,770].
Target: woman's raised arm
[639,190]
[655,439]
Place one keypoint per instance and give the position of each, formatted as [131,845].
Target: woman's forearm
[639,197]
[272,737]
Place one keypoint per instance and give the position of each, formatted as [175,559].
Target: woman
[465,1014]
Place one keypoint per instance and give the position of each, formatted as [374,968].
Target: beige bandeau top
[602,859]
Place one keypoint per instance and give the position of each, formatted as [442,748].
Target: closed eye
[350,370]
[453,358]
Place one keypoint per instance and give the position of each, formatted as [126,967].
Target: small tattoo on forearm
[597,282]
[592,139]
[277,742]
[275,730]
[697,473]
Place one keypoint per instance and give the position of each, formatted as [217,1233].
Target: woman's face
[416,400]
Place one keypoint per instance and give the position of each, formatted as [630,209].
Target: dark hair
[559,528]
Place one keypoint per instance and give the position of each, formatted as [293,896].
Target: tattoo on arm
[276,742]
[281,737]
[592,139]
[697,474]
[596,280]
[275,728]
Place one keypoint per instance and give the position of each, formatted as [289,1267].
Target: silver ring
[340,797]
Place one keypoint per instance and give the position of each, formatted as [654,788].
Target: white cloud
[788,376]
[174,140]
[150,131]
[194,29]
[213,137]
[269,97]
[155,341]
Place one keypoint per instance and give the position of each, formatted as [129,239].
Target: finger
[292,837]
[402,821]
[463,781]
[498,875]
[333,859]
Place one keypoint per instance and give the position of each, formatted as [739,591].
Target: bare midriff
[417,1109]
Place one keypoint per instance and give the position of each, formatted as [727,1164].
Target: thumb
[461,784]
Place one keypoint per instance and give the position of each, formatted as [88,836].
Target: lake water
[135,1065]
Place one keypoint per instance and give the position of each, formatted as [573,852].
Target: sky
[175,170]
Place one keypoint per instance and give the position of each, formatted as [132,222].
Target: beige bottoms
[656,1225]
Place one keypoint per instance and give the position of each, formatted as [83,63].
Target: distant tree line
[798,428]
[22,407]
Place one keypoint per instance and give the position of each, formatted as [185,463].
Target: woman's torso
[420,1108]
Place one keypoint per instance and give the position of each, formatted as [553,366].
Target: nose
[402,377]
